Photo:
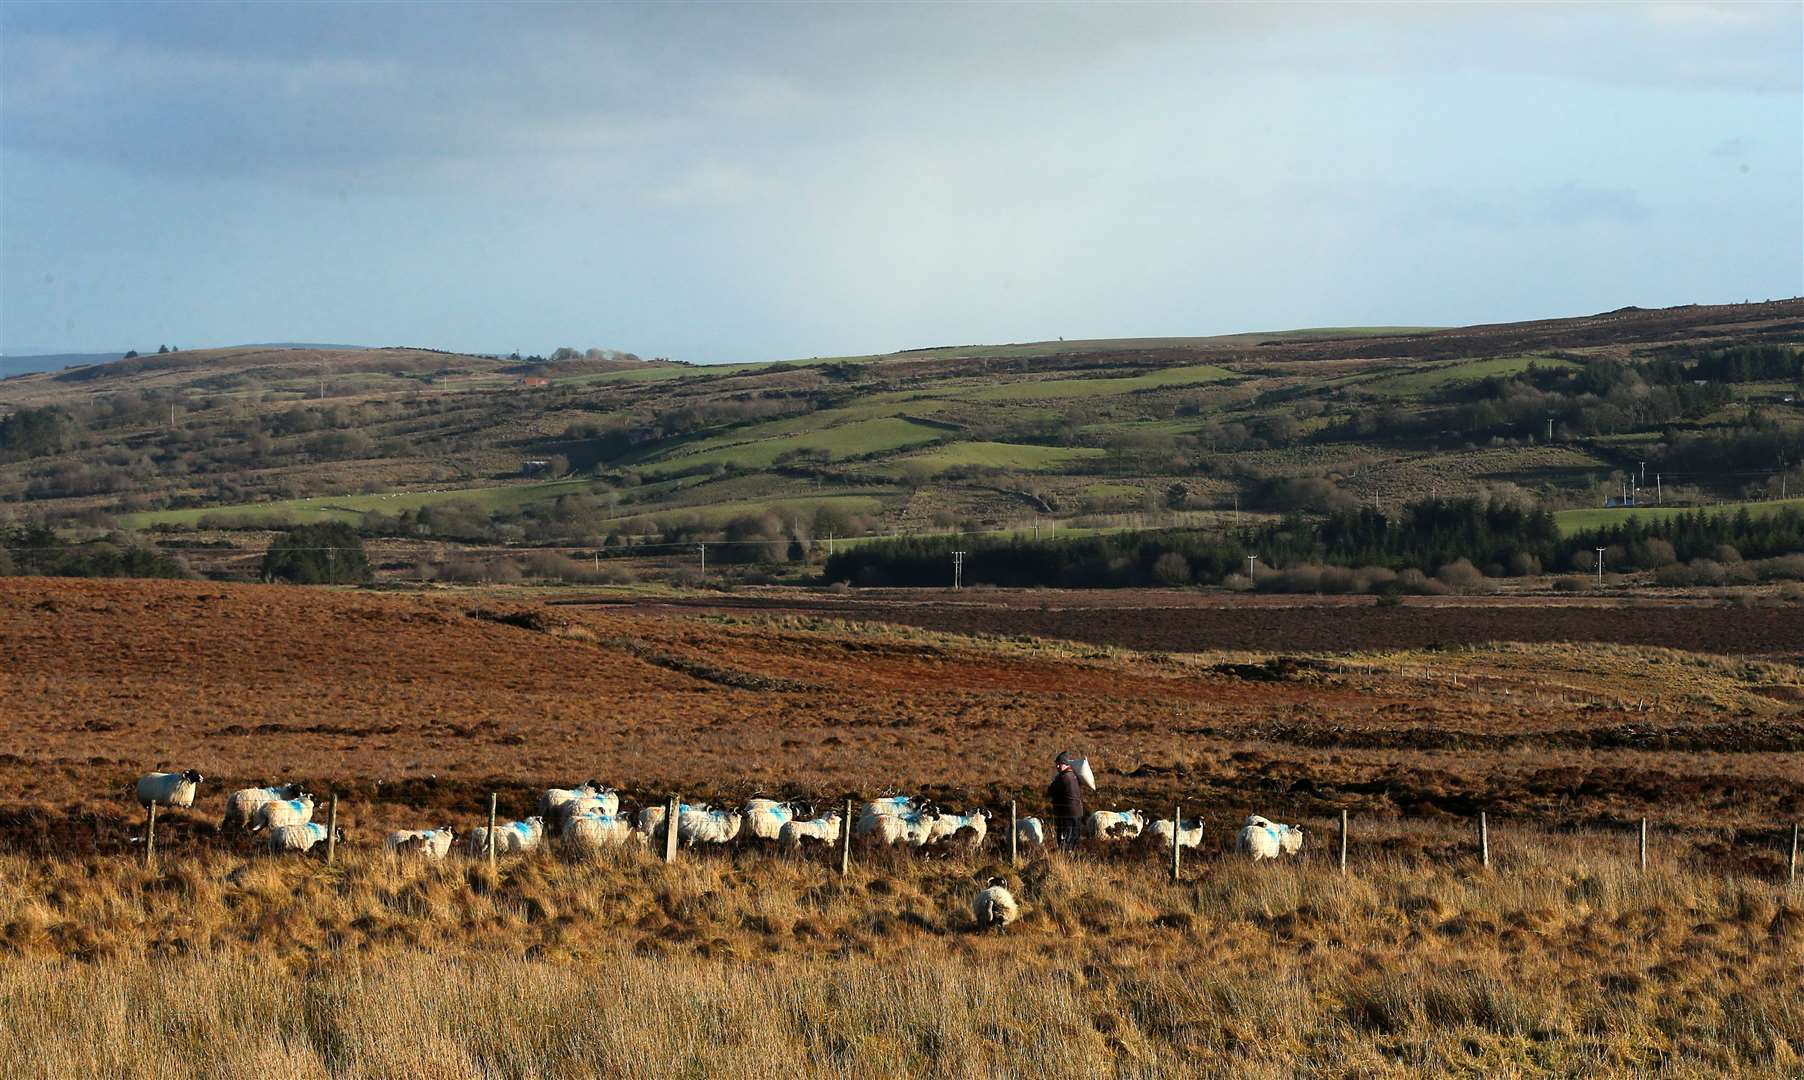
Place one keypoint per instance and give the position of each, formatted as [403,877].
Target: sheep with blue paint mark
[175,789]
[1262,838]
[1114,824]
[594,831]
[279,812]
[427,843]
[299,837]
[700,825]
[823,830]
[1189,833]
[765,818]
[510,839]
[242,805]
[871,817]
[561,804]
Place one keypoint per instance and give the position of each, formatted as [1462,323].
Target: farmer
[1066,793]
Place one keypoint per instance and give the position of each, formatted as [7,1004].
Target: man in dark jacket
[1066,793]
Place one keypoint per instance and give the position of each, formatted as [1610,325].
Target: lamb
[595,831]
[1111,824]
[1264,839]
[429,843]
[1190,834]
[822,829]
[169,788]
[242,805]
[300,837]
[510,839]
[279,812]
[995,907]
[1030,831]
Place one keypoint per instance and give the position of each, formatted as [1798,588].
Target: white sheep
[241,805]
[1190,834]
[606,803]
[702,826]
[765,818]
[995,907]
[1112,824]
[169,788]
[592,832]
[430,843]
[914,828]
[1030,831]
[299,837]
[870,818]
[1262,838]
[948,825]
[561,804]
[651,819]
[279,812]
[822,829]
[510,839]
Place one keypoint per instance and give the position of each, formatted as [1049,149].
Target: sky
[761,181]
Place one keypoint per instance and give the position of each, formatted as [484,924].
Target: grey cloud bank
[755,181]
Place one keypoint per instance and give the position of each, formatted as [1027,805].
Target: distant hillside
[1094,434]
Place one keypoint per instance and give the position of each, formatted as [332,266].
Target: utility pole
[829,543]
[1644,472]
[703,548]
[1600,566]
[1659,493]
[1250,560]
[1550,429]
[958,569]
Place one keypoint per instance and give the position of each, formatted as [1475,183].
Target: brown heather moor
[1561,959]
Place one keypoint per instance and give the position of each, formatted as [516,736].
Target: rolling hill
[413,442]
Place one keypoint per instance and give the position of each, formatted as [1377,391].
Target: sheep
[703,826]
[510,839]
[595,831]
[995,907]
[765,818]
[430,843]
[1110,824]
[888,807]
[300,837]
[1262,838]
[168,788]
[1190,834]
[279,812]
[651,819]
[914,828]
[241,805]
[1030,831]
[947,825]
[823,829]
[559,804]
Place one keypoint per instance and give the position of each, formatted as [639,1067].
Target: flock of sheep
[588,817]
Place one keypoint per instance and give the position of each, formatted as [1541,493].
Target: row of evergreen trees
[1498,537]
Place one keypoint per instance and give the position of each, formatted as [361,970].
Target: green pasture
[995,455]
[351,508]
[855,439]
[1450,373]
[1067,389]
[1575,521]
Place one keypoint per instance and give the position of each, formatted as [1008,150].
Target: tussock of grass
[1559,962]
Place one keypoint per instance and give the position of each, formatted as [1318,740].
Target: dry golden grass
[1564,961]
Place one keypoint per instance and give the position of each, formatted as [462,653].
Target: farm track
[413,707]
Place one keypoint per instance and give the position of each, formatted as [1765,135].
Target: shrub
[326,554]
[1573,583]
[1460,574]
[1172,568]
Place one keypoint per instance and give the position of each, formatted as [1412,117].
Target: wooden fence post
[1791,877]
[845,847]
[332,831]
[150,837]
[1177,833]
[1484,840]
[490,842]
[671,815]
[1014,836]
[1343,841]
[1644,845]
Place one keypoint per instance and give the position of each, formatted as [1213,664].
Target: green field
[351,508]
[1440,376]
[1574,521]
[1066,389]
[843,441]
[996,456]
